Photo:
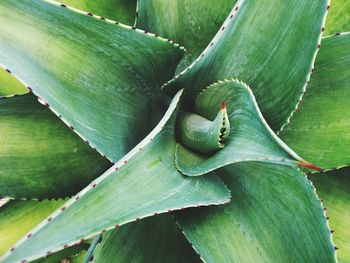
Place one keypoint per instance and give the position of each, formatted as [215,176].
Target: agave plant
[170,140]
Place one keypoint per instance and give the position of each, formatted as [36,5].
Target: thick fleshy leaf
[270,45]
[119,10]
[18,217]
[142,183]
[191,23]
[155,240]
[334,188]
[338,19]
[39,156]
[66,254]
[274,216]
[10,86]
[99,77]
[250,138]
[320,130]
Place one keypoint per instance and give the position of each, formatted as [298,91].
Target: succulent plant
[193,134]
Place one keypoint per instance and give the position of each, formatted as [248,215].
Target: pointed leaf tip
[223,105]
[308,165]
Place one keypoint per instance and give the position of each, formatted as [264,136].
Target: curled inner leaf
[250,138]
[201,134]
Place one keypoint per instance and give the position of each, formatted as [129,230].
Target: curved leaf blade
[154,239]
[18,217]
[320,130]
[191,23]
[39,156]
[101,78]
[274,215]
[119,10]
[250,138]
[270,45]
[333,187]
[64,255]
[143,183]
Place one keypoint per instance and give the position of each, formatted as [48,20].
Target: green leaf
[119,10]
[154,240]
[320,130]
[338,19]
[191,23]
[268,44]
[274,216]
[39,156]
[101,78]
[79,258]
[250,138]
[333,187]
[142,183]
[9,86]
[18,217]
[65,254]
[89,254]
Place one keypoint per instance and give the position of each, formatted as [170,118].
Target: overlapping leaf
[119,10]
[142,183]
[192,23]
[100,78]
[155,239]
[39,156]
[333,187]
[274,216]
[270,45]
[18,217]
[338,19]
[9,85]
[250,137]
[320,130]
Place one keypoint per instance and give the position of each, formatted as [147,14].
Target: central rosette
[203,135]
[211,136]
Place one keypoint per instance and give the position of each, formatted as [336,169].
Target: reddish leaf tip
[308,165]
[223,105]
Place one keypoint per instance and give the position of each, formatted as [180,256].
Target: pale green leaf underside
[268,44]
[101,78]
[152,240]
[119,10]
[250,137]
[320,130]
[18,217]
[274,216]
[191,23]
[39,156]
[9,85]
[334,188]
[142,183]
[338,19]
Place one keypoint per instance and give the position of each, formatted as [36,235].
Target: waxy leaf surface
[250,138]
[120,10]
[274,215]
[191,23]
[333,188]
[142,183]
[154,239]
[320,130]
[102,79]
[39,156]
[268,44]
